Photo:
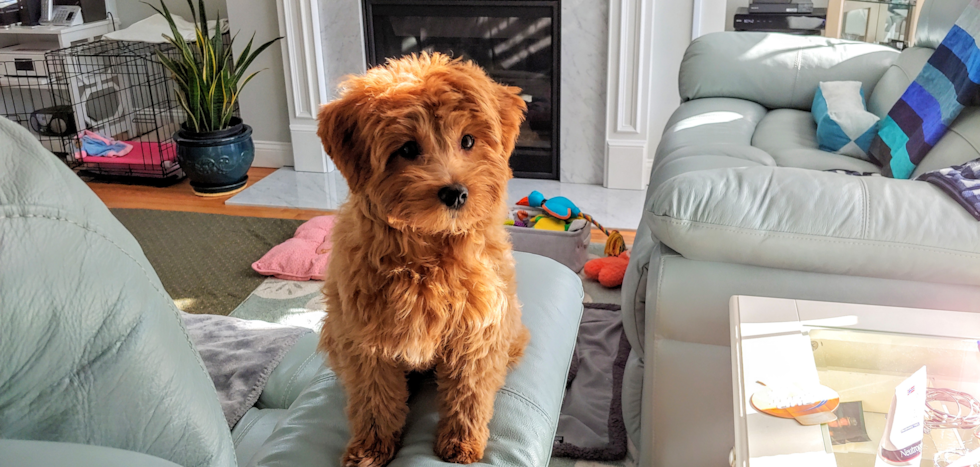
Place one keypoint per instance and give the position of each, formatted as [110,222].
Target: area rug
[300,303]
[204,260]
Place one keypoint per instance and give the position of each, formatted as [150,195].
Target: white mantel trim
[627,106]
[299,24]
[708,17]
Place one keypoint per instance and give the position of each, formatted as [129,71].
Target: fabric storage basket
[568,248]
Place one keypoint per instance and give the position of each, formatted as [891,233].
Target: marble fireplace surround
[605,77]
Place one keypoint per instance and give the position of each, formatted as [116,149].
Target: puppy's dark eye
[467,142]
[409,150]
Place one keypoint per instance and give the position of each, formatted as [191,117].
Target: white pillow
[844,126]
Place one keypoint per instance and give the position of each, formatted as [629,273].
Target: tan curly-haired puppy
[421,274]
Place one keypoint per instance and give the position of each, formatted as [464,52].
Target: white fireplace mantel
[302,57]
[628,84]
[628,137]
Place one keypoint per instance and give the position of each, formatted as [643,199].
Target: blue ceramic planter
[216,162]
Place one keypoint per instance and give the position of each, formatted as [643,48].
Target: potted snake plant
[214,147]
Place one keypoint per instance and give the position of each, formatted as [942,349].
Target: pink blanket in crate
[143,153]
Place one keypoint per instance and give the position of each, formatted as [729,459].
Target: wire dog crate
[27,98]
[117,93]
[107,108]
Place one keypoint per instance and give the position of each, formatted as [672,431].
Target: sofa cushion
[314,430]
[714,121]
[790,137]
[20,453]
[706,157]
[293,374]
[818,221]
[93,348]
[935,20]
[897,79]
[253,430]
[776,70]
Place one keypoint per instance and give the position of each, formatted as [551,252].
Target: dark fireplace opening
[516,42]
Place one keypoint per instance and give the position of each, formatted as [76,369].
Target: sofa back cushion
[897,79]
[777,70]
[936,17]
[93,350]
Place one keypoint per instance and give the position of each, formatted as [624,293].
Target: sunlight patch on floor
[183,304]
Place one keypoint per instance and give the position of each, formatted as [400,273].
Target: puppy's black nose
[453,196]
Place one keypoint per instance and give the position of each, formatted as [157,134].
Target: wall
[673,21]
[735,4]
[263,102]
[131,11]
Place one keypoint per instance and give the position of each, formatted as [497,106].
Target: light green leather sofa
[739,203]
[97,370]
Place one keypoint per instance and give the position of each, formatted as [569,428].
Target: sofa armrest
[807,220]
[24,453]
[777,70]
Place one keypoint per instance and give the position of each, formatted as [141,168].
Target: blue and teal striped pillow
[948,82]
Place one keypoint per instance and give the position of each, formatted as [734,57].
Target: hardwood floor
[180,197]
[599,237]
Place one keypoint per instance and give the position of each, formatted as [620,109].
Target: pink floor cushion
[303,257]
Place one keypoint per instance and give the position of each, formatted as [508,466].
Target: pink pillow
[303,257]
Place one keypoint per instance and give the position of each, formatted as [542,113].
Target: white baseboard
[647,167]
[274,154]
[308,155]
[625,164]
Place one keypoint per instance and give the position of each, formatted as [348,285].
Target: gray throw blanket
[591,424]
[239,355]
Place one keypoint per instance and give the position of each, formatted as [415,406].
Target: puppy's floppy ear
[512,109]
[338,131]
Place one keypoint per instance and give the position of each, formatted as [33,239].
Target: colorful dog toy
[549,223]
[562,208]
[558,207]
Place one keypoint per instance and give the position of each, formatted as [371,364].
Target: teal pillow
[844,125]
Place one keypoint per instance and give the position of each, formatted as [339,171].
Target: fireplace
[515,41]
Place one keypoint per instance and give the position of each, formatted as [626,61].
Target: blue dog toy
[558,207]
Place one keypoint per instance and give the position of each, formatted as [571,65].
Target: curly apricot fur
[412,284]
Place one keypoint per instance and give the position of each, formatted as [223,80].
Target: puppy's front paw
[366,454]
[458,449]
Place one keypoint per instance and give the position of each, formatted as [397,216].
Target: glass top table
[863,352]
